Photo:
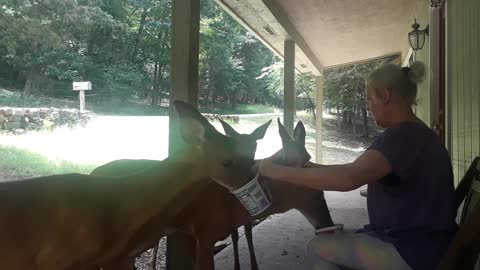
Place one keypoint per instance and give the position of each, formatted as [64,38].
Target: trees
[345,91]
[123,47]
[304,87]
[52,42]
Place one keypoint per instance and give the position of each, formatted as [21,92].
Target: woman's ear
[386,95]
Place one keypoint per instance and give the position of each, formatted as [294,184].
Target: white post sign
[82,87]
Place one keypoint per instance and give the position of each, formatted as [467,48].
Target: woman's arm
[367,168]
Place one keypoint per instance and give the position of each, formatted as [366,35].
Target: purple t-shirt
[413,206]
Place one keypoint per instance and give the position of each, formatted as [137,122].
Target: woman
[409,175]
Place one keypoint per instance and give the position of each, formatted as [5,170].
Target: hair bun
[417,72]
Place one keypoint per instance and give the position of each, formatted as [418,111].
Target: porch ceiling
[327,32]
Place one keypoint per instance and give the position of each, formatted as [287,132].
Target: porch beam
[319,114]
[185,49]
[437,111]
[289,85]
[292,31]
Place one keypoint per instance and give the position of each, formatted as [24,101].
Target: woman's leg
[354,250]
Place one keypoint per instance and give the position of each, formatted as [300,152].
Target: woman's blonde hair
[402,81]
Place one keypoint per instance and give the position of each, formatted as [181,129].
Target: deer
[226,213]
[82,222]
[126,166]
[312,207]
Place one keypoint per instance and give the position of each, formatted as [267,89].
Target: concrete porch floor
[280,241]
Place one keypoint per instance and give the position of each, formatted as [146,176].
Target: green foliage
[12,99]
[345,85]
[304,86]
[124,48]
[240,109]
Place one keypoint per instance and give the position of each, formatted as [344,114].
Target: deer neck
[309,202]
[157,190]
[286,196]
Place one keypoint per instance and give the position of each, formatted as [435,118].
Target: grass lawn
[24,162]
[240,109]
[115,107]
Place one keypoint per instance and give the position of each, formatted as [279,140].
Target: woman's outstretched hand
[268,167]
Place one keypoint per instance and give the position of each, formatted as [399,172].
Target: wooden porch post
[437,68]
[289,85]
[319,113]
[185,46]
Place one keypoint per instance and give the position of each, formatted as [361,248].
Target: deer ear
[229,131]
[259,132]
[286,140]
[192,131]
[299,133]
[194,128]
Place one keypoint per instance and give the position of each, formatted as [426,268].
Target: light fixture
[417,37]
[436,3]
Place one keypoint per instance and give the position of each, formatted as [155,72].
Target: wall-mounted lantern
[436,3]
[417,37]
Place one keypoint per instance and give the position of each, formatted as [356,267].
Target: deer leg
[125,263]
[153,259]
[251,250]
[204,256]
[236,257]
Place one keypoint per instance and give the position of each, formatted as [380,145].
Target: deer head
[227,160]
[249,141]
[293,153]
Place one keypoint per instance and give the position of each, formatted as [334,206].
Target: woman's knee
[313,246]
[319,246]
[320,253]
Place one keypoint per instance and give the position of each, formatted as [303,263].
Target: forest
[124,48]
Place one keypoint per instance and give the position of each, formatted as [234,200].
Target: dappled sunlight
[107,138]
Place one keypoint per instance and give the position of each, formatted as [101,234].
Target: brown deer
[313,206]
[309,202]
[122,167]
[226,214]
[81,222]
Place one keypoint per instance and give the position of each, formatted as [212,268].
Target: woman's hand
[268,168]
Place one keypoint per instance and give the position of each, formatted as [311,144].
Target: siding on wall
[463,81]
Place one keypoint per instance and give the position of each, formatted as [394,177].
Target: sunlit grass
[102,140]
[26,163]
[239,109]
[108,138]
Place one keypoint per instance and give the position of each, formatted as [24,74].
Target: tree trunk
[312,105]
[345,117]
[139,34]
[155,85]
[234,102]
[339,120]
[157,74]
[354,120]
[35,82]
[354,115]
[365,121]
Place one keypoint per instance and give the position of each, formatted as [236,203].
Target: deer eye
[228,163]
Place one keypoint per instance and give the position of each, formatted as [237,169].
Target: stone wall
[18,120]
[228,118]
